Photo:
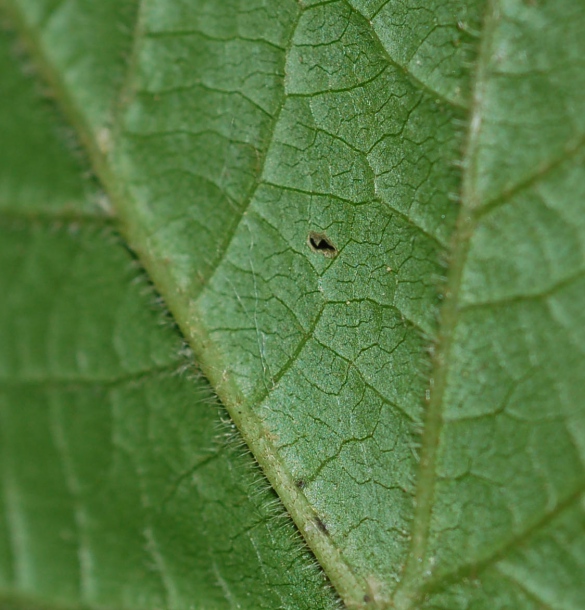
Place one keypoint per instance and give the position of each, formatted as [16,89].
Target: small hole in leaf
[319,242]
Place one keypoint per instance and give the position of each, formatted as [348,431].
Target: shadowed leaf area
[366,222]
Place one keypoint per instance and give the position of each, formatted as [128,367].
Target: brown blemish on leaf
[320,243]
[321,525]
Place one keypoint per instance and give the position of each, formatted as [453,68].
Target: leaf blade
[265,317]
[116,491]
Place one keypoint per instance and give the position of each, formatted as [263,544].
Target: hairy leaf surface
[118,489]
[367,219]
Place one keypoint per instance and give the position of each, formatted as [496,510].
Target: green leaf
[366,218]
[118,488]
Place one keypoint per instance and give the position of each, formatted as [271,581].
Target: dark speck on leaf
[320,243]
[321,525]
[300,484]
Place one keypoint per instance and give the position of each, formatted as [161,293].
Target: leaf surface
[366,217]
[117,487]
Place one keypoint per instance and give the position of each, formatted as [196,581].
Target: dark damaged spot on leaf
[320,243]
[321,525]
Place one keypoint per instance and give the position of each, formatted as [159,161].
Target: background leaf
[413,396]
